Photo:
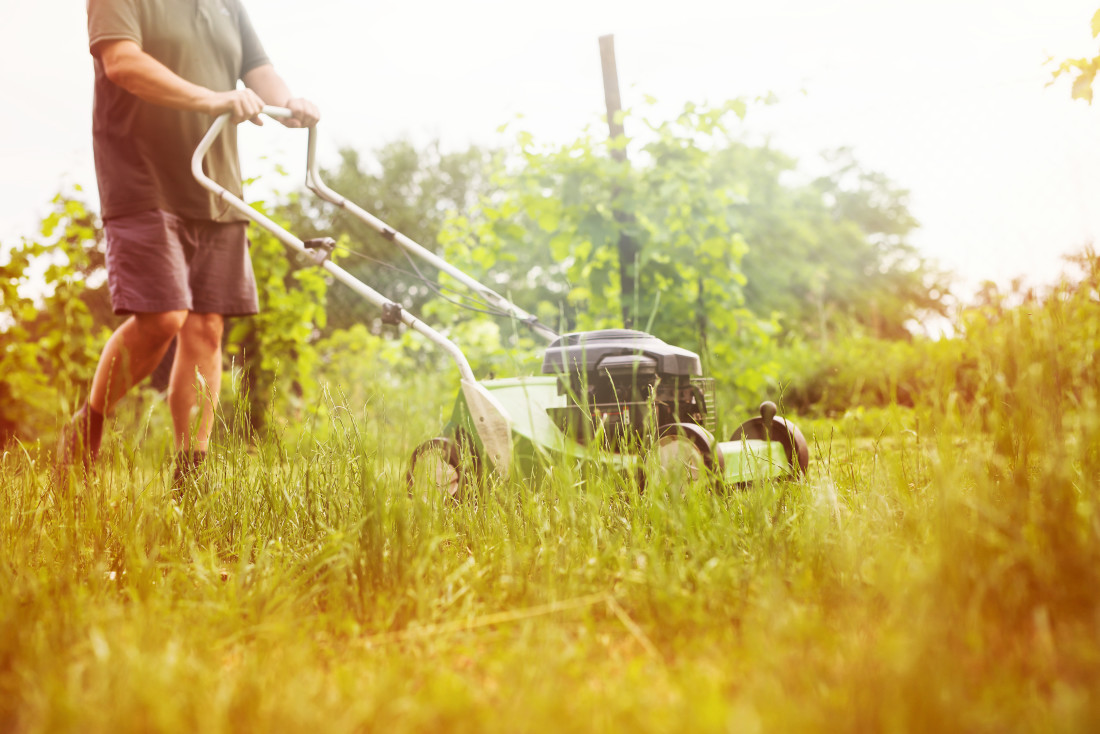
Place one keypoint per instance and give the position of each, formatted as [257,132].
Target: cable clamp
[391,313]
[321,247]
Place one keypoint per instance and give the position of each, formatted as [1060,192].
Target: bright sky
[947,97]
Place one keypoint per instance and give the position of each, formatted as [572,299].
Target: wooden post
[628,248]
[611,92]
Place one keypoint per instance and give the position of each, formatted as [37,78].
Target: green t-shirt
[142,150]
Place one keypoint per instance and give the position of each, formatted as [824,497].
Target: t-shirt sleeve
[252,51]
[113,20]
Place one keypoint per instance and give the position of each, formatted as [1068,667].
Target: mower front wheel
[684,456]
[436,470]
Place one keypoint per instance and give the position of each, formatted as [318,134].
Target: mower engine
[623,385]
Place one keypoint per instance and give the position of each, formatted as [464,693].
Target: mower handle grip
[279,113]
[272,111]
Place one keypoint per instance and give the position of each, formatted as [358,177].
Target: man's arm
[143,76]
[273,90]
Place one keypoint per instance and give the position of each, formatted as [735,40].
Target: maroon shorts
[158,262]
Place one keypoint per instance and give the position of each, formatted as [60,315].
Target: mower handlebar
[288,239]
[318,187]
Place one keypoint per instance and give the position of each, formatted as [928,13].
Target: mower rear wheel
[436,470]
[684,456]
[770,427]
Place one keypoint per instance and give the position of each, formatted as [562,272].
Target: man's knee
[161,326]
[203,330]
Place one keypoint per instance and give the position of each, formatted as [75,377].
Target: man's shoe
[81,437]
[187,471]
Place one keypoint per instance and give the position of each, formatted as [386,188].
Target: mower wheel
[770,427]
[684,455]
[436,469]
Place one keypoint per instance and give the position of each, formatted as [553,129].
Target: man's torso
[143,150]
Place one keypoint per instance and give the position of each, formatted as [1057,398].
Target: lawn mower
[620,397]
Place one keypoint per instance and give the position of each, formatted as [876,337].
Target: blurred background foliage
[793,286]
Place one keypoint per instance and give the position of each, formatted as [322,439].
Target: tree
[1083,70]
[551,232]
[414,190]
[832,254]
[729,243]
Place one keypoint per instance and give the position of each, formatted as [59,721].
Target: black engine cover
[582,352]
[622,384]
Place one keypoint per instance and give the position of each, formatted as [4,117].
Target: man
[177,260]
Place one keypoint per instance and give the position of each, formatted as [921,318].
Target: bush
[49,336]
[1054,336]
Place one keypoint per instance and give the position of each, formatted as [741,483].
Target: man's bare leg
[196,380]
[131,355]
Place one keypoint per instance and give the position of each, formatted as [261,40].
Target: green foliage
[994,344]
[552,233]
[1083,70]
[276,347]
[48,335]
[55,315]
[729,245]
[832,256]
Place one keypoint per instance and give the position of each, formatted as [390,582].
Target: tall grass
[939,571]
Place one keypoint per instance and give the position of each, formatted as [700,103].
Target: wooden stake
[611,92]
[628,248]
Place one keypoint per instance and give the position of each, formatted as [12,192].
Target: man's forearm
[143,76]
[266,82]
